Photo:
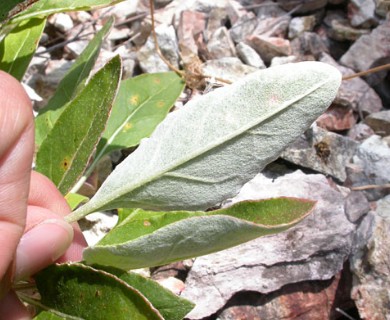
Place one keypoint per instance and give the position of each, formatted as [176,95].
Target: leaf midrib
[120,192]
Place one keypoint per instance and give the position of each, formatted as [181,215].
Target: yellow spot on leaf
[127,127]
[134,100]
[157,80]
[65,164]
[147,223]
[160,104]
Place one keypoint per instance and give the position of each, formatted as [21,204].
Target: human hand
[33,233]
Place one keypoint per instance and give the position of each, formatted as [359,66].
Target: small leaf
[9,8]
[75,199]
[44,8]
[92,294]
[65,152]
[149,238]
[141,104]
[204,152]
[70,85]
[171,306]
[18,47]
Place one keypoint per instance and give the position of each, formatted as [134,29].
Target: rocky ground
[336,263]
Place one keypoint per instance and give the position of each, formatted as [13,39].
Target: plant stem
[363,73]
[172,67]
[74,216]
[157,47]
[371,186]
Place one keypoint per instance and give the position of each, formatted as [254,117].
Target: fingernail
[41,246]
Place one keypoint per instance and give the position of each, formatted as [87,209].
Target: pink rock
[191,24]
[269,47]
[337,118]
[173,284]
[305,300]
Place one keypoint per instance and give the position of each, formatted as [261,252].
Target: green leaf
[204,152]
[170,306]
[70,85]
[65,152]
[18,47]
[149,238]
[9,8]
[44,8]
[75,199]
[92,294]
[47,315]
[141,104]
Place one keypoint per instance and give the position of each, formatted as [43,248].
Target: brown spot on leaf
[147,223]
[65,163]
[157,80]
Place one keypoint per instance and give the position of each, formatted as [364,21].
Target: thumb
[16,151]
[41,246]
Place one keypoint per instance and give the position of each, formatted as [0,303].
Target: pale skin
[33,233]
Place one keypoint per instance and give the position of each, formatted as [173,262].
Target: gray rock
[370,166]
[268,9]
[62,21]
[56,70]
[354,93]
[229,68]
[382,7]
[217,18]
[162,3]
[387,140]
[369,49]
[356,206]
[41,60]
[128,61]
[200,5]
[221,45]
[75,48]
[249,56]
[273,27]
[299,25]
[117,34]
[191,25]
[234,11]
[120,11]
[379,122]
[308,46]
[370,264]
[339,27]
[360,132]
[148,58]
[303,7]
[322,151]
[244,27]
[336,1]
[314,249]
[362,13]
[277,61]
[96,225]
[45,85]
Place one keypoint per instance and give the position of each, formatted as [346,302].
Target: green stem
[75,216]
